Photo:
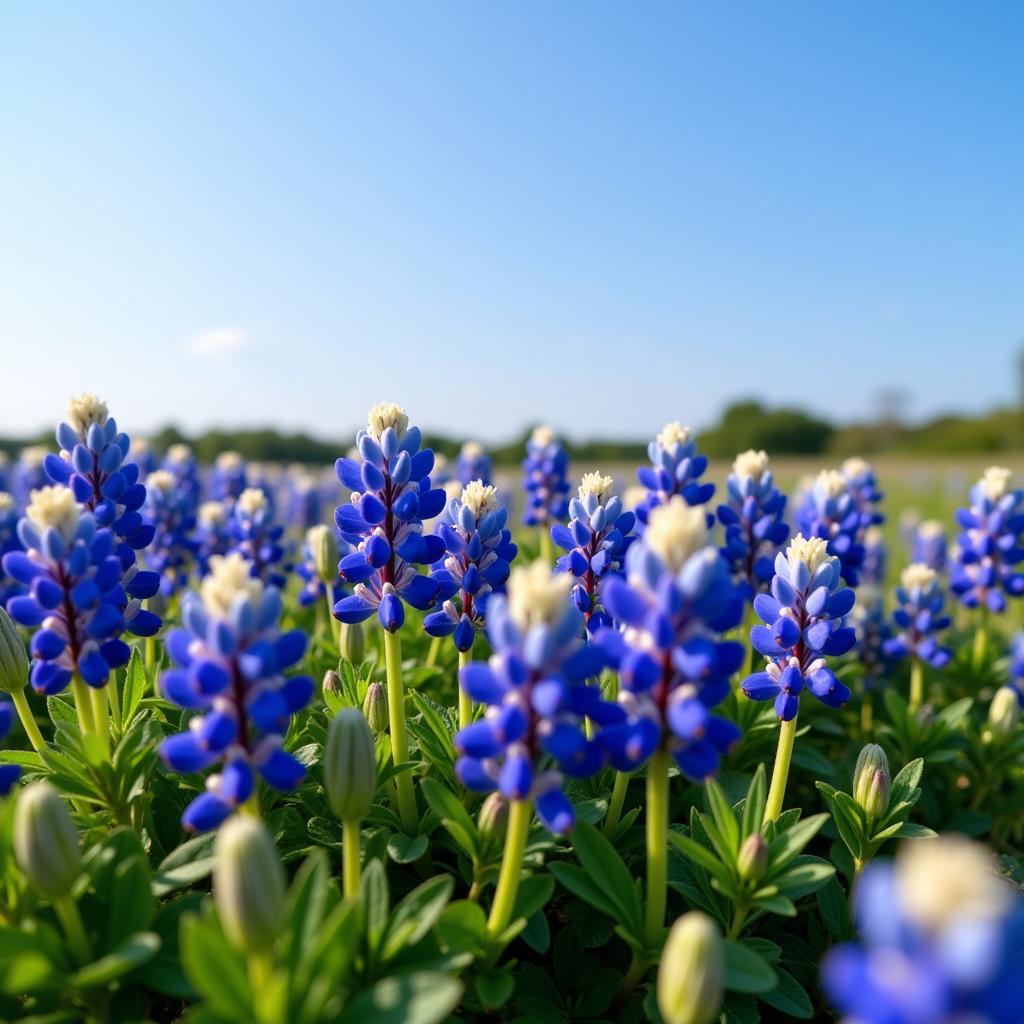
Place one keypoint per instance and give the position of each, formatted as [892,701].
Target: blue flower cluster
[169,509]
[9,773]
[474,464]
[545,478]
[479,551]
[29,474]
[597,538]
[876,558]
[536,691]
[213,532]
[930,546]
[752,518]
[989,551]
[304,506]
[391,496]
[72,577]
[872,629]
[9,541]
[804,626]
[229,477]
[830,512]
[673,666]
[183,465]
[256,537]
[230,660]
[942,940]
[919,618]
[863,484]
[676,468]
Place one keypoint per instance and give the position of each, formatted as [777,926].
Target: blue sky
[602,215]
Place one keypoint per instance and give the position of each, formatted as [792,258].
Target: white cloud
[218,341]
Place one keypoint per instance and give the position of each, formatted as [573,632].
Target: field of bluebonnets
[384,742]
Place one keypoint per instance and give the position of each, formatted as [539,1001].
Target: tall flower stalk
[675,471]
[545,480]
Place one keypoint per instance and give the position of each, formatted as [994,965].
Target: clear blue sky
[601,215]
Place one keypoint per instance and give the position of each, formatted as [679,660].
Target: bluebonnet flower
[863,485]
[930,545]
[830,513]
[474,464]
[676,600]
[29,474]
[985,566]
[184,466]
[478,552]
[676,468]
[304,500]
[876,558]
[256,537]
[536,692]
[72,578]
[143,456]
[391,496]
[228,479]
[213,532]
[752,517]
[872,628]
[9,541]
[168,508]
[9,773]
[545,478]
[597,538]
[804,626]
[942,939]
[92,463]
[230,660]
[919,617]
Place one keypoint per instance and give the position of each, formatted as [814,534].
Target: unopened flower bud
[350,765]
[753,857]
[691,977]
[248,884]
[375,708]
[323,547]
[870,760]
[876,802]
[13,659]
[351,642]
[493,818]
[332,682]
[46,841]
[1004,712]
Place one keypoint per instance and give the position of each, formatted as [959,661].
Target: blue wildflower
[9,773]
[930,546]
[9,541]
[478,552]
[876,558]
[872,629]
[545,478]
[985,566]
[228,479]
[675,601]
[536,692]
[830,512]
[752,517]
[29,474]
[184,466]
[863,486]
[919,618]
[597,538]
[391,496]
[230,660]
[676,468]
[304,507]
[804,626]
[168,509]
[474,464]
[256,537]
[213,532]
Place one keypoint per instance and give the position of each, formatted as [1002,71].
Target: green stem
[547,552]
[350,864]
[261,971]
[100,718]
[252,805]
[28,721]
[780,773]
[657,846]
[465,701]
[519,814]
[83,704]
[738,917]
[614,815]
[916,684]
[399,736]
[435,650]
[980,640]
[867,713]
[71,921]
[333,625]
[114,700]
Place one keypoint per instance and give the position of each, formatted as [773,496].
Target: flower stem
[399,736]
[333,625]
[435,650]
[350,840]
[916,684]
[28,721]
[980,640]
[465,701]
[738,917]
[261,971]
[547,552]
[83,704]
[614,815]
[71,921]
[867,713]
[519,814]
[657,846]
[100,718]
[780,773]
[252,805]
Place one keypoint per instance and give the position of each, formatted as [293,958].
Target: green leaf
[607,870]
[848,826]
[494,987]
[905,785]
[723,815]
[789,998]
[753,807]
[532,895]
[420,998]
[307,904]
[747,971]
[462,928]
[449,808]
[215,971]
[403,849]
[135,950]
[834,909]
[785,846]
[701,855]
[134,688]
[376,900]
[580,884]
[804,875]
[416,914]
[188,863]
[911,830]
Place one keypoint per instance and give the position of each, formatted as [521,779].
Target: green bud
[13,659]
[691,977]
[876,803]
[332,682]
[493,819]
[350,765]
[46,841]
[753,857]
[375,707]
[323,546]
[248,884]
[351,642]
[1004,712]
[870,760]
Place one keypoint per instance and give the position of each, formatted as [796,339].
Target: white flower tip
[994,481]
[213,513]
[479,498]
[873,537]
[229,576]
[542,435]
[6,502]
[673,434]
[53,508]
[314,534]
[161,480]
[84,411]
[538,596]
[384,415]
[856,467]
[918,576]
[473,450]
[179,453]
[32,456]
[252,500]
[675,531]
[812,551]
[830,483]
[597,484]
[753,464]
[931,528]
[229,462]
